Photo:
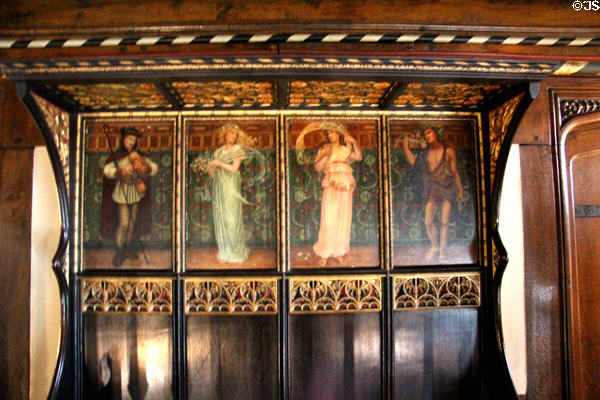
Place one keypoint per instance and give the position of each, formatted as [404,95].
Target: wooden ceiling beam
[282,93]
[173,99]
[391,94]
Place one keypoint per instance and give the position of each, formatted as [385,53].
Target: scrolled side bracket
[24,92]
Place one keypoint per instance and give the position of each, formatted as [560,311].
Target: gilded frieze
[458,95]
[231,296]
[335,294]
[126,295]
[97,96]
[336,93]
[225,94]
[436,291]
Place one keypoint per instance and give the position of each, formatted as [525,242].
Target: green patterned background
[162,186]
[408,211]
[260,217]
[305,201]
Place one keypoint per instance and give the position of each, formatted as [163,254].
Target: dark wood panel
[17,128]
[232,357]
[41,14]
[436,354]
[538,124]
[585,319]
[582,163]
[335,356]
[128,357]
[542,279]
[15,268]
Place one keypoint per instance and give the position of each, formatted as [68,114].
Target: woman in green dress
[227,200]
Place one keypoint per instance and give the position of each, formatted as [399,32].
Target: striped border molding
[295,38]
[126,295]
[426,291]
[276,64]
[231,296]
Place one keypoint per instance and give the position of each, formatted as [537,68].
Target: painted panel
[434,181]
[231,187]
[334,184]
[128,193]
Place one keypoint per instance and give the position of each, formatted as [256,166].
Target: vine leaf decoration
[500,119]
[570,108]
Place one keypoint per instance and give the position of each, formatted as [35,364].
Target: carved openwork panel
[335,294]
[437,291]
[126,295]
[231,296]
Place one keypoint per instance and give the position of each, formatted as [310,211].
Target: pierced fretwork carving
[436,291]
[231,296]
[126,295]
[335,294]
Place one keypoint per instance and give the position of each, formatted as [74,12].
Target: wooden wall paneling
[539,124]
[580,165]
[17,128]
[65,352]
[16,168]
[112,16]
[436,354]
[542,259]
[232,357]
[335,356]
[503,387]
[128,354]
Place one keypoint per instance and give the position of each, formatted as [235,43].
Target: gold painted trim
[482,216]
[126,295]
[78,201]
[386,249]
[190,66]
[179,184]
[231,296]
[335,294]
[435,291]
